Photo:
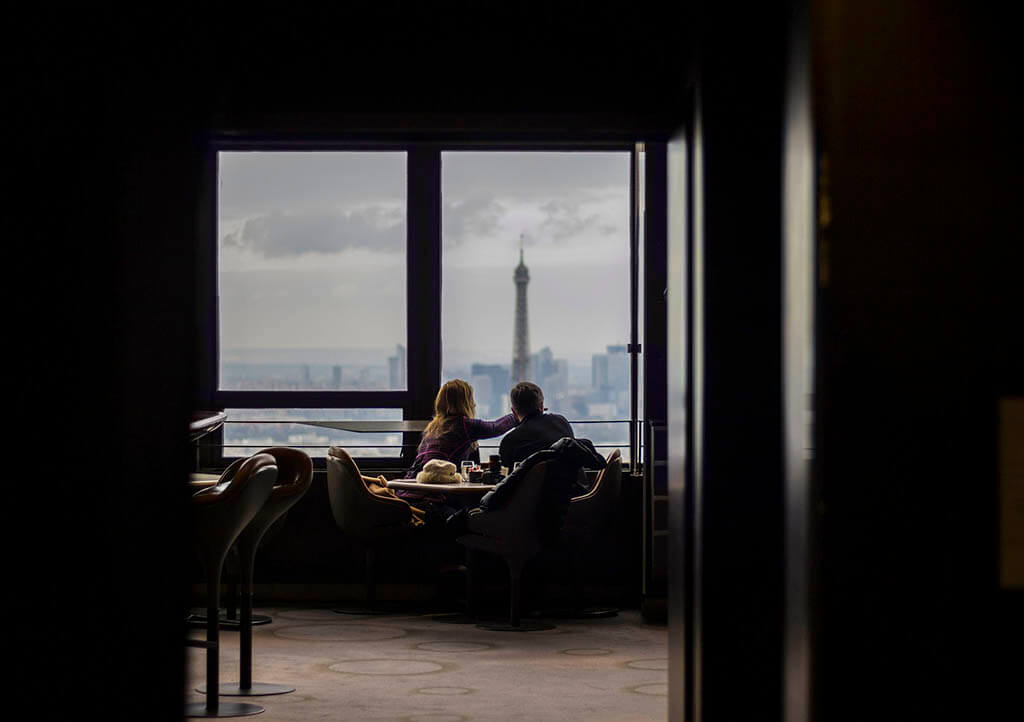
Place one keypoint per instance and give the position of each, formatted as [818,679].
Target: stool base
[362,610]
[224,709]
[258,689]
[198,621]
[596,613]
[525,625]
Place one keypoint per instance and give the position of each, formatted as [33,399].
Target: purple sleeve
[480,429]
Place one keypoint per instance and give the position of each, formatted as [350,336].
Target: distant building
[618,368]
[551,374]
[336,377]
[490,387]
[396,368]
[599,371]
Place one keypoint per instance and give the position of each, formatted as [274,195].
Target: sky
[312,251]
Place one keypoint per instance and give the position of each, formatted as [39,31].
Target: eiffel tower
[521,344]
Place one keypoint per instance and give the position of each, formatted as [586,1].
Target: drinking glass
[466,466]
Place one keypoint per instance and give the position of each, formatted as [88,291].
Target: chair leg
[370,584]
[213,707]
[579,608]
[515,593]
[471,606]
[516,623]
[371,580]
[245,686]
[213,638]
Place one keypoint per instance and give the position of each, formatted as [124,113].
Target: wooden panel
[1011,493]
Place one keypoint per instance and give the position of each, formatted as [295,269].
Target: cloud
[563,219]
[473,217]
[281,234]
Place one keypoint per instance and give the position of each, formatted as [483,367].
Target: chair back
[518,519]
[223,510]
[593,509]
[294,477]
[356,509]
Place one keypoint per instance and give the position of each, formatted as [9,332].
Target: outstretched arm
[480,429]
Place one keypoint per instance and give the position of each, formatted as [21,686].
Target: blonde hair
[454,399]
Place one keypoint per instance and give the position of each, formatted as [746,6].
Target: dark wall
[736,288]
[119,103]
[919,306]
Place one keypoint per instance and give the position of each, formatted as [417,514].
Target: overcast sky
[312,251]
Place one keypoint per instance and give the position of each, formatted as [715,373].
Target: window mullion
[423,276]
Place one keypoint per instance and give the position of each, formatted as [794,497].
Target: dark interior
[863,585]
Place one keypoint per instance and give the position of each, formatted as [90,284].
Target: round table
[411,485]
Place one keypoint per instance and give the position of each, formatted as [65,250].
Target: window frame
[424,204]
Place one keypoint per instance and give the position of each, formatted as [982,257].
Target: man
[536,430]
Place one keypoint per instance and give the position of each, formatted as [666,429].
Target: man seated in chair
[537,429]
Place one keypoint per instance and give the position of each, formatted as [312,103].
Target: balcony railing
[381,440]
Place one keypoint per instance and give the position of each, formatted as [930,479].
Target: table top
[203,422]
[412,485]
[202,481]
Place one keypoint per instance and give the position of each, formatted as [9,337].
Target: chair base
[224,709]
[198,621]
[595,613]
[454,618]
[257,689]
[584,613]
[525,625]
[362,610]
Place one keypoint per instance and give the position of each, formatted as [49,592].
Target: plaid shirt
[456,444]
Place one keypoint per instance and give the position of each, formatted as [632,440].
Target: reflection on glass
[536,261]
[311,270]
[249,430]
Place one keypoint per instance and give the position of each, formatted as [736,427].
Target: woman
[452,436]
[453,432]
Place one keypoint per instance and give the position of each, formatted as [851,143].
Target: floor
[419,668]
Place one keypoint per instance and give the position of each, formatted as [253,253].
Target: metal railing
[348,432]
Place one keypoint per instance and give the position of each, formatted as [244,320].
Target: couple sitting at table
[453,433]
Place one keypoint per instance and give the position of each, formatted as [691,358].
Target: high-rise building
[618,368]
[551,374]
[521,343]
[336,377]
[396,368]
[490,387]
[599,371]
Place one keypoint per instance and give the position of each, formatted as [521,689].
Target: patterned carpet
[420,669]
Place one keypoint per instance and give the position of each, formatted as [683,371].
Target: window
[536,283]
[347,282]
[311,270]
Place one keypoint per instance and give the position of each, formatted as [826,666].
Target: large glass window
[536,283]
[311,270]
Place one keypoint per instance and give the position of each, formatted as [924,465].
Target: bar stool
[294,475]
[221,513]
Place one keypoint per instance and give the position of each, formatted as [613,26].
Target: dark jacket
[535,432]
[565,458]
